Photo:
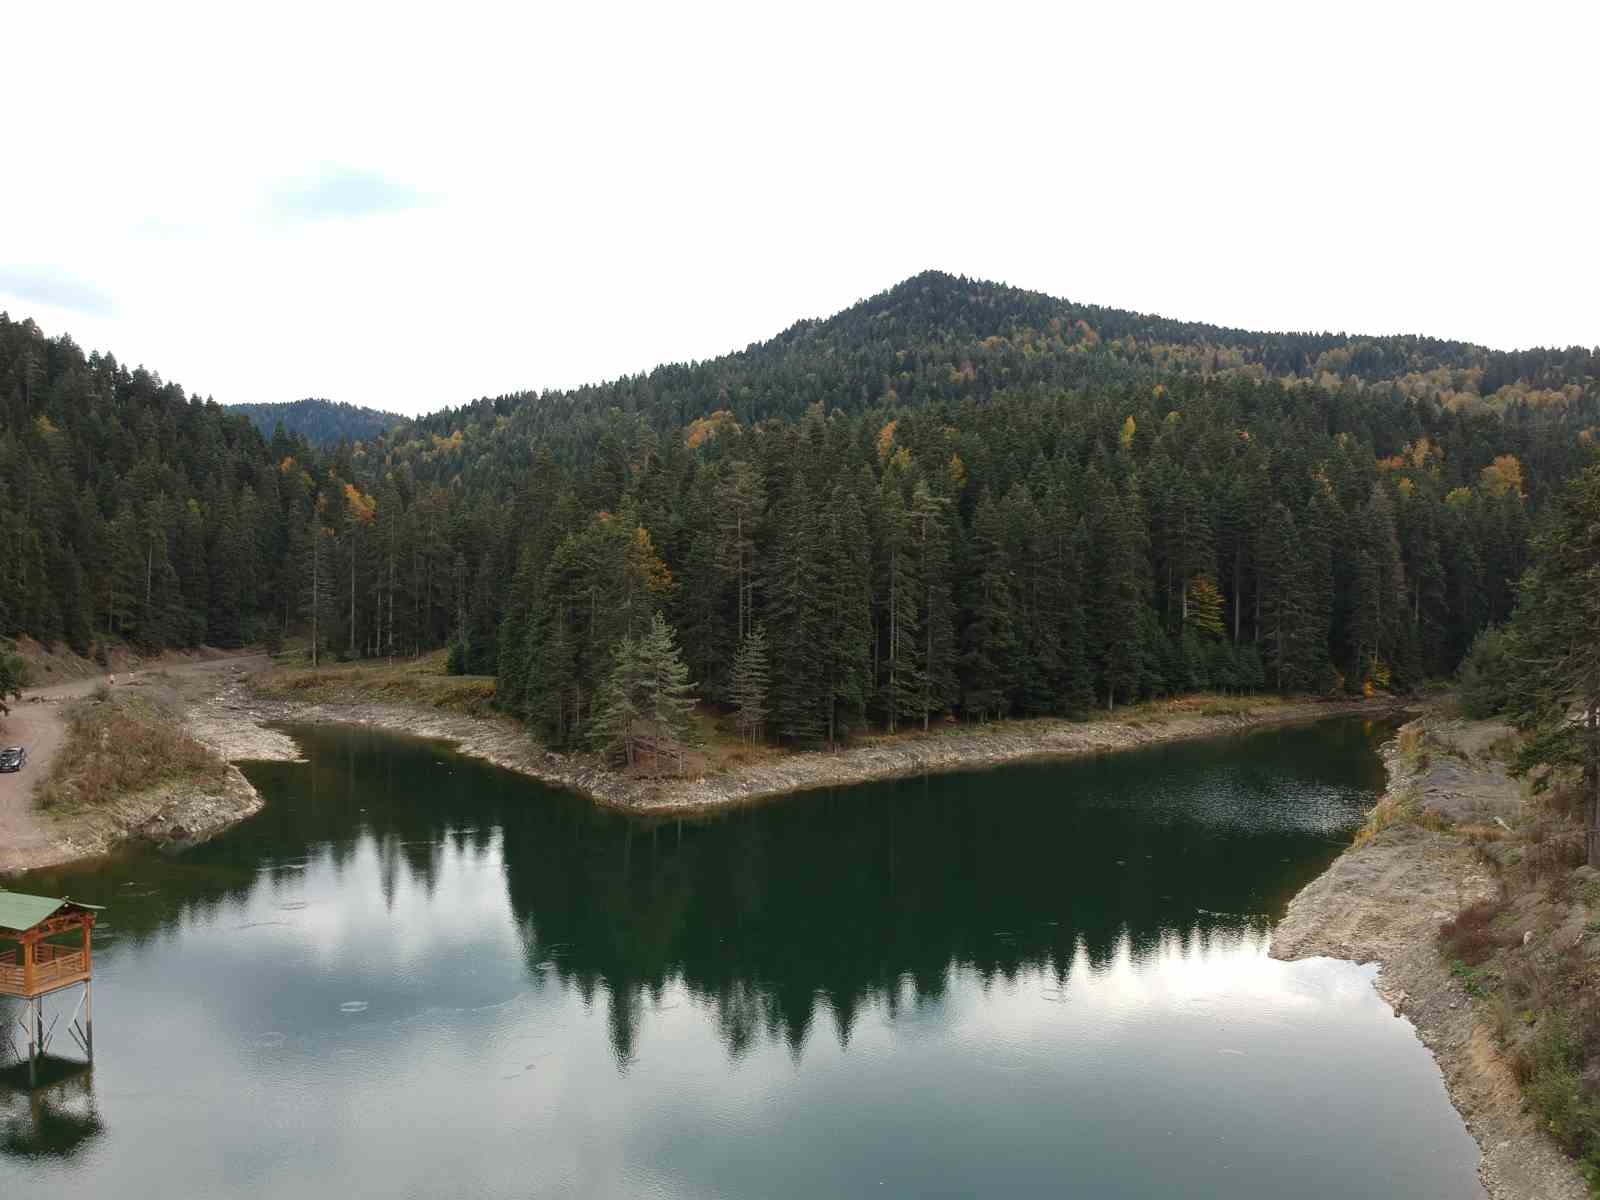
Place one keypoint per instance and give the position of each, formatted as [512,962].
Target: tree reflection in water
[827,902]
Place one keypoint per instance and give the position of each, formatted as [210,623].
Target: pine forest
[956,501]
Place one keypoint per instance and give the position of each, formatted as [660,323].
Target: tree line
[955,501]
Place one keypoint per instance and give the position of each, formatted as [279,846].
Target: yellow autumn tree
[1125,438]
[1503,476]
[1205,606]
[886,440]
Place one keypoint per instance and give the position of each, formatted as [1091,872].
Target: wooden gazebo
[35,966]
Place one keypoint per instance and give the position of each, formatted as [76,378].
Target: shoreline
[238,722]
[171,815]
[1383,902]
[1378,902]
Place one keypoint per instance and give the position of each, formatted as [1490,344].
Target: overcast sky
[408,207]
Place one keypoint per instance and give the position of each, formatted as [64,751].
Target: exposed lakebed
[415,974]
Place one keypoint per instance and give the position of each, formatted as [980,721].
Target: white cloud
[412,207]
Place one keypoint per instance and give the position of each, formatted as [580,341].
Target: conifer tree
[748,689]
[901,623]
[988,664]
[1282,598]
[1115,566]
[316,598]
[846,616]
[1556,644]
[667,700]
[795,611]
[620,704]
[935,662]
[13,675]
[741,497]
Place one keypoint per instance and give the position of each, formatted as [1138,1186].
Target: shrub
[117,749]
[1469,936]
[1486,674]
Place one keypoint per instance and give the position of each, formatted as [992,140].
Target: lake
[417,975]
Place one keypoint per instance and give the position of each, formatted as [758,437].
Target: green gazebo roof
[20,913]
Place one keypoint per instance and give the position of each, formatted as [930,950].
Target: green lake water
[415,975]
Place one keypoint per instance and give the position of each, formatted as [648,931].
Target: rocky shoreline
[173,817]
[240,719]
[1383,902]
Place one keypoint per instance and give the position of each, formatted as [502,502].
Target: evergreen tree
[935,654]
[621,704]
[988,647]
[1557,647]
[748,690]
[795,609]
[846,616]
[13,677]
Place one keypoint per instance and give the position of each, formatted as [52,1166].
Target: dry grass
[1398,807]
[419,681]
[120,745]
[1539,978]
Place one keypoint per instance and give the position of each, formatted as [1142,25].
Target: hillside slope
[320,422]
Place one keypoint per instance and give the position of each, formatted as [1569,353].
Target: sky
[409,206]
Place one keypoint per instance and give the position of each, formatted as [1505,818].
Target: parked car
[12,758]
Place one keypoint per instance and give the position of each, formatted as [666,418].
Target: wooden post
[88,991]
[36,1040]
[27,967]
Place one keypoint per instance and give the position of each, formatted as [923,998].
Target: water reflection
[55,1119]
[415,975]
[766,916]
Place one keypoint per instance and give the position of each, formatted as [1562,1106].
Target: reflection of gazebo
[37,966]
[53,1115]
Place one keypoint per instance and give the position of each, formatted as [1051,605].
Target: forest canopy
[955,499]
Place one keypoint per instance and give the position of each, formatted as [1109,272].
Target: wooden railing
[10,972]
[51,965]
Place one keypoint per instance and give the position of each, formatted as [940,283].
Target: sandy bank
[1383,902]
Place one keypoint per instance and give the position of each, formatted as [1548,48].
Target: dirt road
[36,723]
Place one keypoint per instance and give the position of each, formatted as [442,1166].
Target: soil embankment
[178,813]
[1383,901]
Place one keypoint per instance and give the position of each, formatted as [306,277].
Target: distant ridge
[320,422]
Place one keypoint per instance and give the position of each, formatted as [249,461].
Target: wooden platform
[52,968]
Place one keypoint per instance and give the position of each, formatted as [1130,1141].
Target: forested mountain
[320,422]
[953,499]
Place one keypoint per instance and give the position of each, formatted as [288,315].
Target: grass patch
[121,744]
[423,682]
[1398,807]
